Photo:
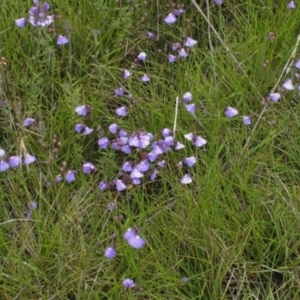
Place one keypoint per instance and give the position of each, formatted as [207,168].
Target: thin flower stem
[175,118]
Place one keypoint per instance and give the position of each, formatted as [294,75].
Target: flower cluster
[7,162]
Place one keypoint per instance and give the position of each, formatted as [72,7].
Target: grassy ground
[233,232]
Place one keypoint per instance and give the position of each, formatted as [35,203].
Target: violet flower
[189,42]
[38,14]
[3,165]
[274,97]
[21,22]
[186,179]
[103,142]
[291,5]
[142,56]
[88,168]
[128,283]
[183,53]
[121,111]
[110,253]
[246,120]
[82,110]
[120,186]
[288,85]
[231,112]
[127,74]
[191,108]
[172,58]
[28,122]
[103,185]
[29,159]
[14,161]
[62,40]
[2,152]
[187,96]
[70,176]
[170,19]
[145,78]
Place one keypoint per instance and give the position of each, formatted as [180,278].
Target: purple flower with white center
[29,159]
[145,78]
[58,178]
[20,22]
[120,186]
[2,152]
[172,58]
[189,42]
[126,149]
[28,122]
[136,174]
[62,40]
[274,97]
[183,53]
[143,166]
[167,132]
[14,161]
[38,14]
[178,146]
[218,2]
[187,96]
[110,252]
[297,64]
[103,186]
[103,142]
[129,233]
[142,56]
[70,176]
[169,141]
[121,111]
[186,179]
[88,168]
[127,166]
[151,156]
[119,91]
[150,35]
[246,120]
[81,128]
[190,161]
[170,19]
[136,242]
[291,5]
[128,283]
[191,108]
[113,128]
[127,74]
[82,110]
[231,112]
[136,181]
[140,140]
[197,141]
[161,164]
[160,147]
[176,46]
[288,85]
[3,165]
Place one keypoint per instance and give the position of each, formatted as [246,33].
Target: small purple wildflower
[119,91]
[189,42]
[110,253]
[183,53]
[176,46]
[142,56]
[145,78]
[3,165]
[32,205]
[218,2]
[103,186]
[170,19]
[128,283]
[172,58]
[178,12]
[103,142]
[291,5]
[88,168]
[70,176]
[28,122]
[187,96]
[62,40]
[166,132]
[14,161]
[129,233]
[197,141]
[169,141]
[136,242]
[81,128]
[190,161]
[2,152]
[127,74]
[150,35]
[186,179]
[58,178]
[143,166]
[38,14]
[120,185]
[136,174]
[21,22]
[288,85]
[121,111]
[231,112]
[178,146]
[297,64]
[246,120]
[82,110]
[127,166]
[29,159]
[274,97]
[113,128]
[136,181]
[191,108]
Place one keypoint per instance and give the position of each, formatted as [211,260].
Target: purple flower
[297,64]
[103,186]
[122,133]
[170,18]
[167,132]
[127,74]
[183,53]
[3,165]
[150,35]
[70,176]
[14,161]
[120,185]
[231,112]
[136,242]
[29,159]
[140,140]
[126,149]
[169,141]
[136,174]
[128,283]
[2,152]
[176,46]
[127,166]
[113,128]
[189,42]
[62,40]
[291,5]
[145,78]
[129,233]
[82,110]
[186,179]
[88,168]
[119,91]
[190,161]
[197,141]
[274,97]
[187,96]
[288,85]
[143,166]
[103,142]
[178,146]
[178,12]
[20,22]
[191,108]
[246,120]
[28,122]
[152,156]
[142,56]
[32,205]
[110,252]
[218,2]
[38,14]
[121,111]
[172,58]
[58,178]
[161,164]
[81,128]
[154,175]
